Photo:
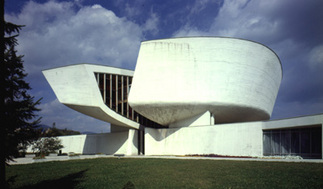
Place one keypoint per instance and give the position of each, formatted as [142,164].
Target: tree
[47,145]
[18,104]
[17,108]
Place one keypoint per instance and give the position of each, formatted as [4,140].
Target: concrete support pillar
[98,78]
[111,91]
[141,140]
[132,148]
[133,114]
[116,93]
[212,120]
[127,97]
[122,97]
[104,89]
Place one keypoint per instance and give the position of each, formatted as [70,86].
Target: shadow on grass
[68,181]
[10,181]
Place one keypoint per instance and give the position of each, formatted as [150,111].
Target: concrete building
[196,95]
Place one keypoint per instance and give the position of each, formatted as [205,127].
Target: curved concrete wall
[76,87]
[175,79]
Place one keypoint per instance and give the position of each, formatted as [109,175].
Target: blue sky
[59,33]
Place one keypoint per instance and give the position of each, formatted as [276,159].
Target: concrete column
[212,120]
[116,93]
[122,97]
[141,140]
[132,148]
[110,91]
[104,89]
[97,78]
[133,114]
[127,97]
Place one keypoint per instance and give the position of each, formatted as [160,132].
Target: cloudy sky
[59,33]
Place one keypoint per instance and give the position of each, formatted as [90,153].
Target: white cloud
[200,5]
[151,24]
[316,57]
[64,33]
[131,8]
[131,11]
[64,117]
[292,29]
[56,35]
[247,19]
[50,107]
[190,31]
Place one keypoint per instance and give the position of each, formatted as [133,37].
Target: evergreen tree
[17,108]
[18,104]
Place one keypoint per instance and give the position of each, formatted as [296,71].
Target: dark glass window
[114,90]
[304,142]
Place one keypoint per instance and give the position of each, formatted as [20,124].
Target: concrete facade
[231,139]
[76,87]
[234,79]
[107,143]
[196,95]
[235,139]
[239,139]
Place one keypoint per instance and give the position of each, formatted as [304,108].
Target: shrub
[72,154]
[44,146]
[41,156]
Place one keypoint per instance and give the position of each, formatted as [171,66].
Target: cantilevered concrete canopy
[76,86]
[179,78]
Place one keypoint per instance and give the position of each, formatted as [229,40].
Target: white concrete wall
[203,119]
[239,139]
[132,144]
[108,143]
[294,122]
[76,87]
[235,139]
[74,143]
[178,78]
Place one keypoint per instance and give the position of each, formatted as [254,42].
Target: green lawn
[165,173]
